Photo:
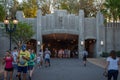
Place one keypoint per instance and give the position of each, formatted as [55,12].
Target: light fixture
[6,21]
[10,25]
[82,42]
[38,42]
[101,43]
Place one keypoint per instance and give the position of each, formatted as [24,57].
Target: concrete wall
[61,22]
[90,28]
[112,36]
[4,41]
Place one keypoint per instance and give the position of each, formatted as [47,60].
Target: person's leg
[38,65]
[11,75]
[84,63]
[24,76]
[84,60]
[25,69]
[5,75]
[109,75]
[46,62]
[19,72]
[31,71]
[15,68]
[115,75]
[49,62]
[41,62]
[28,70]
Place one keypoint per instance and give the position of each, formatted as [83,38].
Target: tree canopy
[111,10]
[2,13]
[23,33]
[30,7]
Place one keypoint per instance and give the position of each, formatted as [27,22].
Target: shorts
[38,62]
[84,58]
[8,69]
[47,60]
[30,67]
[22,69]
[15,66]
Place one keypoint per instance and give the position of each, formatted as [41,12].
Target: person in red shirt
[7,60]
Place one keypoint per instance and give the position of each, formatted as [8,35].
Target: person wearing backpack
[47,54]
[22,59]
[84,54]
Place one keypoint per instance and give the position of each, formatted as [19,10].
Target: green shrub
[104,54]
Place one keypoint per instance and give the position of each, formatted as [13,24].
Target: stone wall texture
[62,22]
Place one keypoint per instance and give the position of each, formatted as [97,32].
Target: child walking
[38,60]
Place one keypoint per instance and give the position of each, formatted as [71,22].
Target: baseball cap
[23,47]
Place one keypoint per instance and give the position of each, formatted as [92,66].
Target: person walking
[7,60]
[15,54]
[84,54]
[31,63]
[112,65]
[38,60]
[47,57]
[41,57]
[23,57]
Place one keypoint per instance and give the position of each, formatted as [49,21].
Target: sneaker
[29,78]
[49,65]
[16,75]
[85,65]
[19,78]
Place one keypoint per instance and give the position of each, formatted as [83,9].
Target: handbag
[105,73]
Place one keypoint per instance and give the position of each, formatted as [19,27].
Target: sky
[20,0]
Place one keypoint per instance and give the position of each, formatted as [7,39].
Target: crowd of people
[65,53]
[22,62]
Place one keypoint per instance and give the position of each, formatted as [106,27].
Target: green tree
[2,13]
[29,8]
[45,6]
[111,8]
[73,6]
[14,7]
[22,34]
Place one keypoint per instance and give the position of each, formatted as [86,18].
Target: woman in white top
[112,66]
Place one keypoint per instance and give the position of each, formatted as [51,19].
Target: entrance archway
[90,47]
[58,41]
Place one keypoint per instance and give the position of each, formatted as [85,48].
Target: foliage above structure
[2,13]
[23,33]
[30,7]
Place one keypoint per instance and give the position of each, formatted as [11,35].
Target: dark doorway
[90,47]
[56,42]
[31,44]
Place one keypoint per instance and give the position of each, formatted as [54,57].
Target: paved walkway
[101,62]
[71,69]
